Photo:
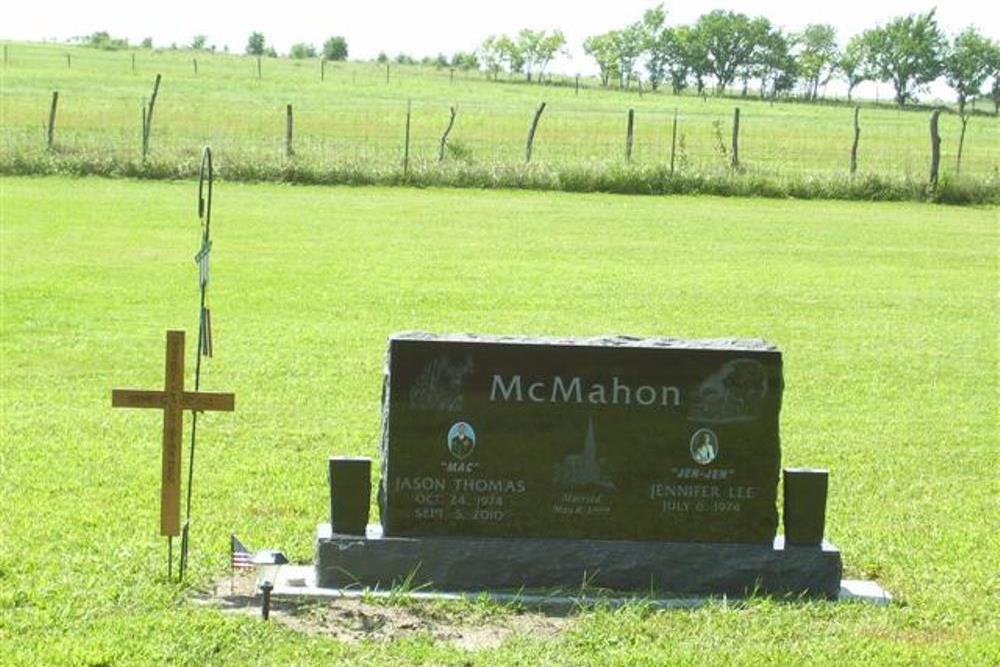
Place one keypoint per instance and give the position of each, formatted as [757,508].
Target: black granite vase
[805,506]
[350,493]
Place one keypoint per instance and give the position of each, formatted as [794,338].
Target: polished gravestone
[642,464]
[611,439]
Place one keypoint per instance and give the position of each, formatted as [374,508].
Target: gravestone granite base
[480,563]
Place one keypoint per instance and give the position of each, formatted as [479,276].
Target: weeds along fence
[356,114]
[488,133]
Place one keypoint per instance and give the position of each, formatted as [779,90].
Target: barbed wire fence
[777,139]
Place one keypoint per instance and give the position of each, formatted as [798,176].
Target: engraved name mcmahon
[574,390]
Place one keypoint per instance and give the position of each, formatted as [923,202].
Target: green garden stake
[206,177]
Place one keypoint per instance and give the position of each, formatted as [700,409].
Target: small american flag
[239,557]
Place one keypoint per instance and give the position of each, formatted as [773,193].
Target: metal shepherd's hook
[205,179]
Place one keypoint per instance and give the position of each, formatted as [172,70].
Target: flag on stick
[239,557]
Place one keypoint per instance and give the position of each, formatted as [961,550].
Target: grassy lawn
[886,313]
[355,115]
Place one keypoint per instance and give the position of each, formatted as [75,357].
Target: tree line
[723,48]
[719,50]
[334,48]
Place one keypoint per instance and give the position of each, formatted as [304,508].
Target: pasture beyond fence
[353,113]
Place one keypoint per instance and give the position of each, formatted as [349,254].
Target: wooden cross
[173,400]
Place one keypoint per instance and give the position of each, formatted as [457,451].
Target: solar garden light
[268,563]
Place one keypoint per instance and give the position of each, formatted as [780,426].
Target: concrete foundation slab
[299,582]
[525,565]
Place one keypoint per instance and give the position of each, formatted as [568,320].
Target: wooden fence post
[629,136]
[387,74]
[673,143]
[577,84]
[935,148]
[194,61]
[133,63]
[258,68]
[447,131]
[69,61]
[147,117]
[854,146]
[322,69]
[52,118]
[406,143]
[531,132]
[961,142]
[288,132]
[736,139]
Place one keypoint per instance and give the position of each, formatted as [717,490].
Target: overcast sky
[425,27]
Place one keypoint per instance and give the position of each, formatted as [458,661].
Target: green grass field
[886,313]
[355,116]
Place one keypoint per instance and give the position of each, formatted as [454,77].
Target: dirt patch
[468,625]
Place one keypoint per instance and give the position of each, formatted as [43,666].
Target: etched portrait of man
[461,440]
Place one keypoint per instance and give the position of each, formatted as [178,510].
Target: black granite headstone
[620,438]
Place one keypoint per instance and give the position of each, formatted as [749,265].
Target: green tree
[603,49]
[511,54]
[302,50]
[818,56]
[907,52]
[146,43]
[490,56]
[103,40]
[529,42]
[969,62]
[199,42]
[761,37]
[335,48]
[382,57]
[778,68]
[676,54]
[855,63]
[629,45]
[729,40]
[691,59]
[616,52]
[255,44]
[537,48]
[553,44]
[658,41]
[464,60]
